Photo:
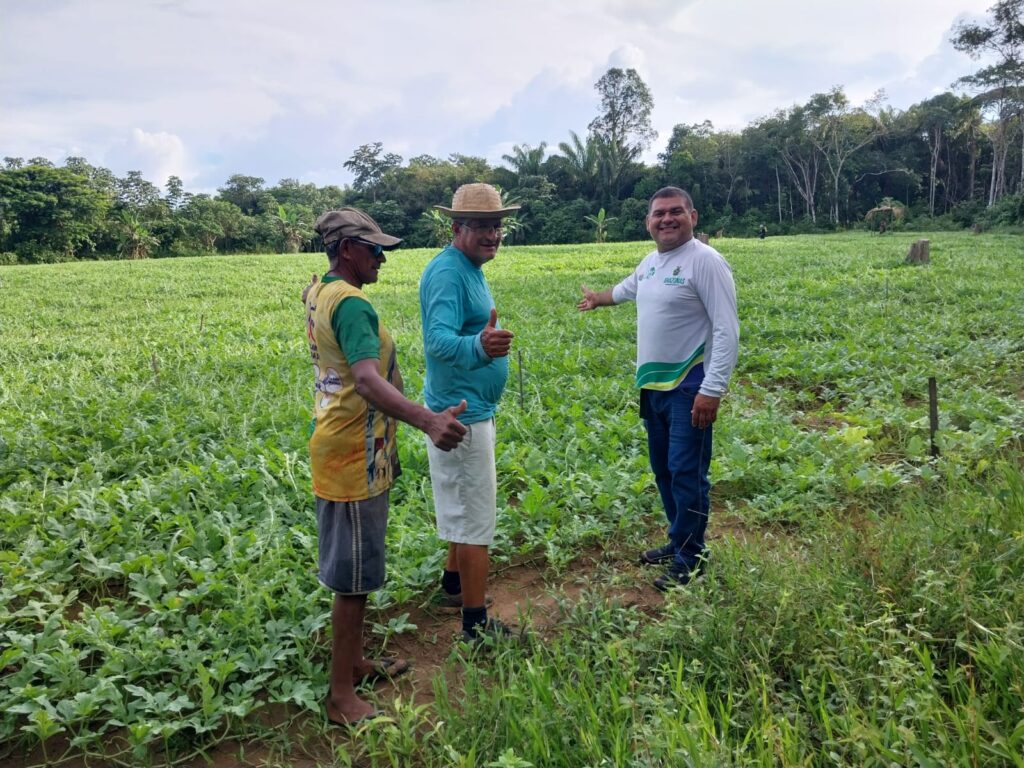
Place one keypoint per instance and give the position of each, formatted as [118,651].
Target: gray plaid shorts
[351,544]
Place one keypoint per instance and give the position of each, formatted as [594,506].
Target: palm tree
[440,227]
[616,164]
[294,225]
[515,226]
[136,241]
[526,160]
[969,126]
[579,159]
[600,223]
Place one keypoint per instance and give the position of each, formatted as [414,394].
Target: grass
[888,645]
[157,536]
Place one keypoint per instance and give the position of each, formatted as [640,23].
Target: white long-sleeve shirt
[687,329]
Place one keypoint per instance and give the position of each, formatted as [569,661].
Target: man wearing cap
[467,361]
[357,399]
[687,341]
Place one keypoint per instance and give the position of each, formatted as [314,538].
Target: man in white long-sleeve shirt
[687,344]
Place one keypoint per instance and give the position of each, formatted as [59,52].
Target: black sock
[450,582]
[474,619]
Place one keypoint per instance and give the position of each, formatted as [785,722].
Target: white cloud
[259,88]
[629,57]
[157,155]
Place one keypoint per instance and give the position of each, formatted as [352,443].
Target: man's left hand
[705,410]
[495,341]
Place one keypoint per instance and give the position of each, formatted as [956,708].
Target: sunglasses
[378,250]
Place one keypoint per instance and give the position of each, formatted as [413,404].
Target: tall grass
[896,641]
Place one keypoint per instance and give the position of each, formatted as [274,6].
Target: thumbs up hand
[495,341]
[445,429]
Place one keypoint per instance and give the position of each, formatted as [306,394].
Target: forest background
[952,161]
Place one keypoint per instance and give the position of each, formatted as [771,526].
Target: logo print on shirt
[675,280]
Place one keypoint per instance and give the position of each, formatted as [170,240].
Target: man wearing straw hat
[467,359]
[353,458]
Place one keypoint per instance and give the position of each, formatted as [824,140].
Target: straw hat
[477,201]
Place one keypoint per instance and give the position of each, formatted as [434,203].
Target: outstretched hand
[495,341]
[444,429]
[590,300]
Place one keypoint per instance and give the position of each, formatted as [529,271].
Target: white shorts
[466,486]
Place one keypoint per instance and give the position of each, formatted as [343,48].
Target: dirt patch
[525,592]
[820,422]
[94,597]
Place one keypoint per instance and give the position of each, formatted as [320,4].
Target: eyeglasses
[378,250]
[485,229]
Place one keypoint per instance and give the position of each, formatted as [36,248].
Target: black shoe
[452,602]
[494,629]
[677,576]
[658,555]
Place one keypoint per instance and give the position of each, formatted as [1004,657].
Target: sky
[204,89]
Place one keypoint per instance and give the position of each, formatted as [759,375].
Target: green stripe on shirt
[665,376]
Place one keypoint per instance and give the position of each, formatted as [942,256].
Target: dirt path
[525,594]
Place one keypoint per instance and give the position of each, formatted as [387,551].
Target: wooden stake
[933,413]
[519,356]
[202,319]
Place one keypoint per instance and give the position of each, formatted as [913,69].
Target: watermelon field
[865,605]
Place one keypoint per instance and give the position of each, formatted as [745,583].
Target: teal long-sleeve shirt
[455,305]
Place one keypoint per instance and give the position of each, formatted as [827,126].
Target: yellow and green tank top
[352,449]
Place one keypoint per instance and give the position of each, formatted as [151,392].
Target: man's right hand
[594,299]
[495,341]
[305,291]
[444,429]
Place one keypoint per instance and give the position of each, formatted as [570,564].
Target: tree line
[950,161]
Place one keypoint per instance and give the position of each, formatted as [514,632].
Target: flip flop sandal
[384,669]
[357,722]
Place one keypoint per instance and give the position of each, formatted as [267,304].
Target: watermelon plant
[157,529]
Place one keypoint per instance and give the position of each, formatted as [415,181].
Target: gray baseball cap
[351,222]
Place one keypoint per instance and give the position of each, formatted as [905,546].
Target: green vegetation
[896,643]
[157,535]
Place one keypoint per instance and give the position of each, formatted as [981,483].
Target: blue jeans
[680,456]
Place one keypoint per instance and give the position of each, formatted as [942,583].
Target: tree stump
[702,236]
[918,253]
